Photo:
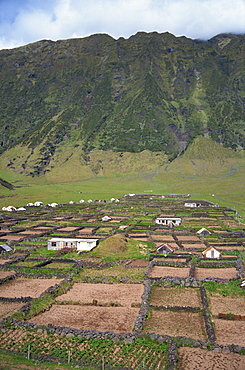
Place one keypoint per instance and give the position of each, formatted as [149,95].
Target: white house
[203,232]
[211,252]
[85,245]
[165,248]
[9,209]
[106,218]
[38,204]
[168,221]
[191,205]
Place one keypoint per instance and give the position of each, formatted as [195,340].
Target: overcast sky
[26,21]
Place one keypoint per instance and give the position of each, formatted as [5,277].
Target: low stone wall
[240,268]
[16,300]
[207,316]
[176,308]
[8,278]
[169,281]
[16,259]
[138,325]
[172,355]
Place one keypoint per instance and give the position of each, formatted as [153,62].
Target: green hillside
[151,92]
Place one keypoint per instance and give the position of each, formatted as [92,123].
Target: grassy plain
[207,180]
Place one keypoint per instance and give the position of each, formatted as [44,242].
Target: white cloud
[61,19]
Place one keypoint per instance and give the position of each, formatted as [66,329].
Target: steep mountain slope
[150,92]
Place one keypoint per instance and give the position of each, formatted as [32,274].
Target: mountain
[152,93]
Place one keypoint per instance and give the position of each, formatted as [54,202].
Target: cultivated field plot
[165,238]
[4,274]
[116,354]
[68,229]
[161,296]
[8,308]
[23,287]
[194,246]
[11,237]
[221,273]
[30,232]
[118,319]
[2,261]
[119,271]
[219,304]
[86,231]
[200,359]
[229,332]
[136,263]
[124,294]
[187,324]
[183,238]
[162,271]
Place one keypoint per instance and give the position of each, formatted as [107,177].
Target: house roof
[165,245]
[209,249]
[6,247]
[72,240]
[203,229]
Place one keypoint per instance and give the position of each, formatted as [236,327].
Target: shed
[211,252]
[5,248]
[165,248]
[106,218]
[78,244]
[203,232]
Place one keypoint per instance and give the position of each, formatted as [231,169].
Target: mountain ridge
[152,91]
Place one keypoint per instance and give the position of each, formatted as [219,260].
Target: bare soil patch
[161,296]
[86,230]
[12,237]
[118,319]
[141,239]
[229,332]
[161,271]
[221,273]
[220,304]
[124,294]
[8,308]
[188,238]
[187,324]
[4,274]
[2,261]
[194,246]
[30,232]
[68,228]
[196,358]
[138,234]
[138,263]
[22,287]
[166,238]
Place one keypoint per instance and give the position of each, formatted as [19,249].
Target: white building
[191,205]
[211,252]
[85,245]
[168,221]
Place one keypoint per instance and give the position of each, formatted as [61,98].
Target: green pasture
[224,188]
